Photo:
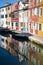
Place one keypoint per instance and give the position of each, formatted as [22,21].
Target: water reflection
[0,40]
[35,54]
[25,50]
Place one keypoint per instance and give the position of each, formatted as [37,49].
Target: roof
[5,6]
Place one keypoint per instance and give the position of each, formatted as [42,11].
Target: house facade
[21,15]
[33,17]
[15,16]
[40,18]
[8,16]
[2,16]
[5,15]
[25,17]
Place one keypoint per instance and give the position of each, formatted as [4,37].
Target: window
[2,39]
[8,23]
[12,24]
[36,11]
[40,12]
[2,9]
[2,16]
[33,10]
[31,25]
[16,24]
[20,15]
[8,8]
[6,16]
[36,26]
[6,42]
[21,24]
[39,26]
[41,0]
[9,15]
[29,13]
[13,16]
[38,0]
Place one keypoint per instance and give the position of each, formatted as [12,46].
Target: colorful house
[40,18]
[25,23]
[36,17]
[2,16]
[33,19]
[15,16]
[8,16]
[23,16]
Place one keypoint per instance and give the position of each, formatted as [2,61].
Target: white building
[21,51]
[5,16]
[23,16]
[20,15]
[2,16]
[4,43]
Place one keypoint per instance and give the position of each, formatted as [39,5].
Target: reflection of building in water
[0,40]
[35,54]
[4,41]
[9,44]
[12,45]
[23,48]
[20,50]
[30,50]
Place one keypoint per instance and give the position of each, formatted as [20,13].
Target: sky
[10,1]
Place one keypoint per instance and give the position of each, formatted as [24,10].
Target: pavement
[37,39]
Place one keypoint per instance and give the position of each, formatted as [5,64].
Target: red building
[15,16]
[33,16]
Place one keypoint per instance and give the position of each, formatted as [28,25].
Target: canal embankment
[36,39]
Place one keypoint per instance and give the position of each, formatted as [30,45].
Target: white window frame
[33,11]
[36,11]
[36,26]
[42,27]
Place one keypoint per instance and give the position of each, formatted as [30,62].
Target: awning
[15,19]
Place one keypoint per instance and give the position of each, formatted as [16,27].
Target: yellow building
[40,18]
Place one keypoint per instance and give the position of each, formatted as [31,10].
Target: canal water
[7,58]
[29,52]
[0,40]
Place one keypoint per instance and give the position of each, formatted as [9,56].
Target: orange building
[40,18]
[33,16]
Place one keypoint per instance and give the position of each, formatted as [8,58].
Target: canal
[29,53]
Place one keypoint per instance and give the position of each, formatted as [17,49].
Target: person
[24,29]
